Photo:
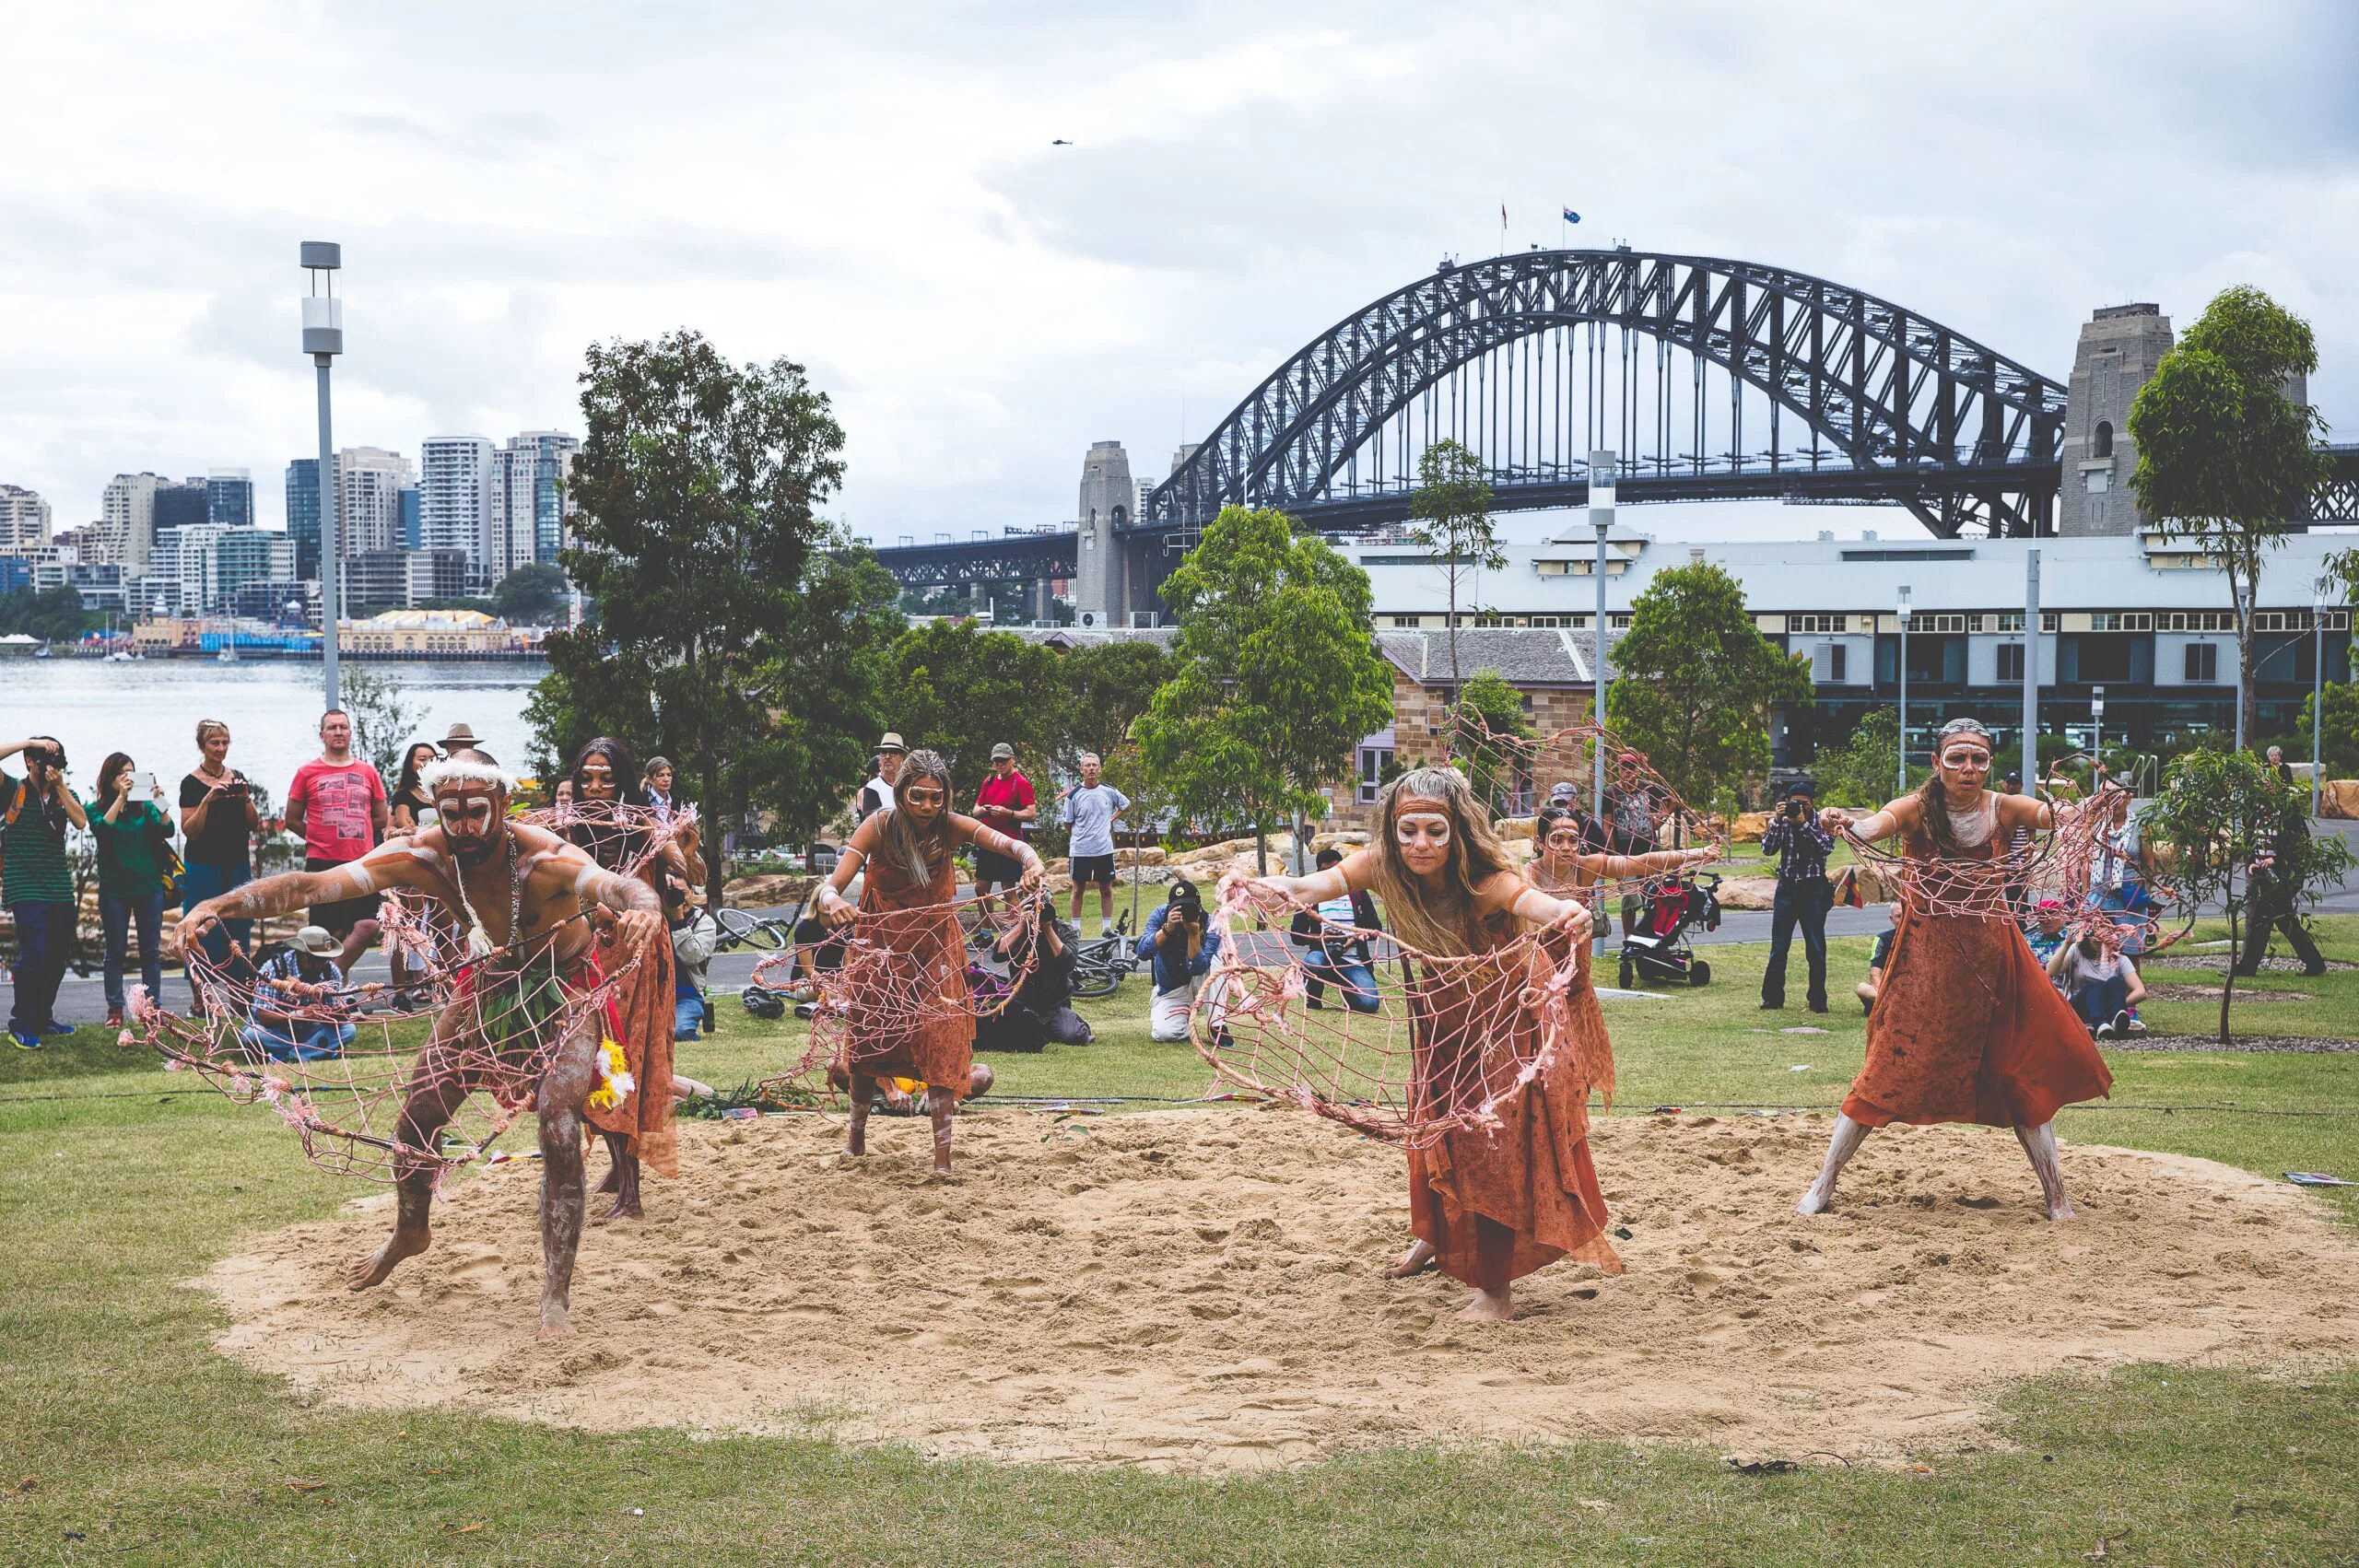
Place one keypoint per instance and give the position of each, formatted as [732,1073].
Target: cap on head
[892,742]
[2050,906]
[316,940]
[1003,753]
[1184,892]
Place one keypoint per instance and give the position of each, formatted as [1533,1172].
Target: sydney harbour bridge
[1709,379]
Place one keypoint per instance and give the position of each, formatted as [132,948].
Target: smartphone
[143,782]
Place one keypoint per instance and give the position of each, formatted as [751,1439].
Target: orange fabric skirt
[1497,1203]
[644,1007]
[1969,1028]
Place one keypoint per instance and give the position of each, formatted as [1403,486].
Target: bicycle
[1101,965]
[743,928]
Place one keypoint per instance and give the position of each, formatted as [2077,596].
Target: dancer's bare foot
[1416,1260]
[372,1269]
[1489,1307]
[624,1209]
[557,1323]
[1815,1200]
[2061,1210]
[856,1140]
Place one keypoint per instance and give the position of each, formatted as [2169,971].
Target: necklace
[479,945]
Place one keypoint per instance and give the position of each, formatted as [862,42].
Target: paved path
[81,1000]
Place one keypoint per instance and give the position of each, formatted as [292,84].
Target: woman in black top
[410,807]
[219,816]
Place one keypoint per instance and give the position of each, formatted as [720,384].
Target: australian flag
[1571,217]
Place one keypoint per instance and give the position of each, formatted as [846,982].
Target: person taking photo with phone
[219,818]
[134,835]
[35,812]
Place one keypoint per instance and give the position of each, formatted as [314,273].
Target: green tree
[1694,683]
[1104,688]
[1491,738]
[1863,769]
[531,596]
[1275,677]
[739,630]
[1451,512]
[2224,457]
[956,688]
[383,723]
[2337,735]
[2216,811]
[53,614]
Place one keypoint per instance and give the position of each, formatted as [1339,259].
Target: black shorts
[994,868]
[345,913]
[1093,868]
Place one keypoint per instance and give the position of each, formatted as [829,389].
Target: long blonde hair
[917,851]
[1444,922]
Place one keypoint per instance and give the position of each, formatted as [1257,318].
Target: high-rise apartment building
[454,500]
[528,501]
[184,504]
[303,515]
[413,526]
[369,481]
[24,521]
[229,497]
[216,564]
[127,526]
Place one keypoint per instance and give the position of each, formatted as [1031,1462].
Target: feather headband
[465,770]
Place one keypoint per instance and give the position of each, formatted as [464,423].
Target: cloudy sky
[871,191]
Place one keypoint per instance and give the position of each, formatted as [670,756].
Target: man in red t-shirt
[1004,802]
[337,803]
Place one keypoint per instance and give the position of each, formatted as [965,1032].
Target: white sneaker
[2137,1024]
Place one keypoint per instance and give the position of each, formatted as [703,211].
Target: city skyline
[881,201]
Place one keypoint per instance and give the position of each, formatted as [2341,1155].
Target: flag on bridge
[1571,217]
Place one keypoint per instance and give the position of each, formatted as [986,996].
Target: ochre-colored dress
[906,979]
[1969,1026]
[1495,1203]
[640,1018]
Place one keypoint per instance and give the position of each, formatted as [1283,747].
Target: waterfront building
[529,505]
[2144,619]
[454,500]
[379,578]
[24,521]
[215,563]
[303,514]
[125,530]
[178,505]
[229,497]
[101,583]
[412,520]
[423,633]
[369,481]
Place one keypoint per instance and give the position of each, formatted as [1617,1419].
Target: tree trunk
[716,817]
[1453,645]
[1260,849]
[2228,980]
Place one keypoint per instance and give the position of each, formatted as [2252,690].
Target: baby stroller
[1659,949]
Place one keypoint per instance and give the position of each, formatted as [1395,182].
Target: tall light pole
[1904,690]
[2317,685]
[2096,724]
[1600,517]
[324,340]
[2031,672]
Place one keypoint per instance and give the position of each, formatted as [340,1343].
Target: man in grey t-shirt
[1090,810]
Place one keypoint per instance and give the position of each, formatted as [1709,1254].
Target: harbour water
[149,708]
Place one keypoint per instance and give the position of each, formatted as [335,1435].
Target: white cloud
[873,192]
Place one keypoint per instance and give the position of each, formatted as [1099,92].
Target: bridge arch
[1899,408]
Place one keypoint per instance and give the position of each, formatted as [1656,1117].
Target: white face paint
[1423,831]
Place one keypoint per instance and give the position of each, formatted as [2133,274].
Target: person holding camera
[1803,894]
[36,885]
[2268,908]
[134,835]
[1182,945]
[219,818]
[1334,959]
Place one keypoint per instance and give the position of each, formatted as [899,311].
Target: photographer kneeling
[1182,944]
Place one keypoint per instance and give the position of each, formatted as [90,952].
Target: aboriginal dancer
[1965,1027]
[538,914]
[1567,868]
[1495,1203]
[906,1014]
[609,820]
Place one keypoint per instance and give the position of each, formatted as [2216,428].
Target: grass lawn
[128,1439]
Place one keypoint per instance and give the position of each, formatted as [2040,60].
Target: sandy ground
[1200,1291]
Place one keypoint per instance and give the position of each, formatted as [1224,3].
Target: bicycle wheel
[771,934]
[1097,980]
[737,928]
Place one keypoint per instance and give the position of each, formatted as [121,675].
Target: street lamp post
[2318,686]
[2096,723]
[1600,517]
[324,340]
[1903,787]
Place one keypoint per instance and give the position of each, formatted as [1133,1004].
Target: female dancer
[908,1013]
[1966,1026]
[1564,869]
[1493,1205]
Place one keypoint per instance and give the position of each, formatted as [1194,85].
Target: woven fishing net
[628,839]
[893,974]
[1449,1041]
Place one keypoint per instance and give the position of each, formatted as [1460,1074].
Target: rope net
[891,975]
[2078,865]
[626,839]
[1404,1045]
[338,1061]
[1643,813]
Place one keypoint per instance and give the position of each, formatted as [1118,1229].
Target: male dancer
[528,902]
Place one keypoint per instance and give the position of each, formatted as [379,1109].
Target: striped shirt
[35,845]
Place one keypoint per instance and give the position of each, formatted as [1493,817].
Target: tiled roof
[1521,656]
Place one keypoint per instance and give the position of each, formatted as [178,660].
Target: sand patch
[1200,1291]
